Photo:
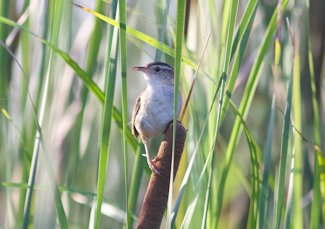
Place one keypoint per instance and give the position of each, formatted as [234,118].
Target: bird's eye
[157,69]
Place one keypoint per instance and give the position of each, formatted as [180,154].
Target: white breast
[156,110]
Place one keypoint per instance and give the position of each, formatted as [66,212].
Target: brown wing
[134,114]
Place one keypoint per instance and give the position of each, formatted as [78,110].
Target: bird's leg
[151,164]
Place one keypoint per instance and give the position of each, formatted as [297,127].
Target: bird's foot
[155,159]
[153,167]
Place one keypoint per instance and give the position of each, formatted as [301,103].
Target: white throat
[155,81]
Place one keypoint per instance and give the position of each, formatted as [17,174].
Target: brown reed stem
[155,200]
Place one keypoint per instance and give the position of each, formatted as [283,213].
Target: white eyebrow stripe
[165,67]
[161,65]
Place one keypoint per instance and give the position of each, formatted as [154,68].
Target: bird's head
[157,73]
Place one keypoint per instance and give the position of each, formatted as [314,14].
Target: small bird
[154,108]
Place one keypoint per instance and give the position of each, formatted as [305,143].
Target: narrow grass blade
[135,184]
[298,163]
[95,38]
[7,116]
[280,192]
[180,18]
[321,162]
[4,100]
[288,206]
[263,195]
[189,213]
[123,57]
[245,24]
[255,154]
[110,75]
[4,60]
[55,189]
[162,31]
[318,199]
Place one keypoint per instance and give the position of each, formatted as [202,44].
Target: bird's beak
[141,69]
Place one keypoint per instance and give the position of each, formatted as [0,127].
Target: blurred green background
[255,121]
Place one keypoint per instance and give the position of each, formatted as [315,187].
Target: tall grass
[253,156]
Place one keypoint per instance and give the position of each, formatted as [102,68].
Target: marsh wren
[154,107]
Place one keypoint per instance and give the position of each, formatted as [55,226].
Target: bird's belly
[155,115]
[153,122]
